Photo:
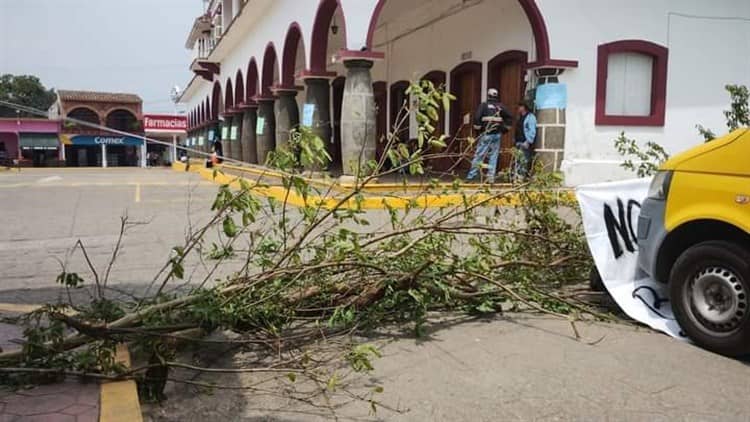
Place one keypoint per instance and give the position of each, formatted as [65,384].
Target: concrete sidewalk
[68,401]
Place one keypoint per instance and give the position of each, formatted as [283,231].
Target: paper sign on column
[225,133]
[233,133]
[307,115]
[260,126]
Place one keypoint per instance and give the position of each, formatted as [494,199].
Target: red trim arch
[251,87]
[216,103]
[289,61]
[239,89]
[660,55]
[269,67]
[534,15]
[321,27]
[228,95]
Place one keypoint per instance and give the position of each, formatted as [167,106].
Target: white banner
[610,218]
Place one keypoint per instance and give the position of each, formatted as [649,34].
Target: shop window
[631,84]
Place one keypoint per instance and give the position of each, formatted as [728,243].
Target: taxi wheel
[710,294]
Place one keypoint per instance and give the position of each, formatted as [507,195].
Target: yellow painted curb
[363,202]
[17,308]
[119,400]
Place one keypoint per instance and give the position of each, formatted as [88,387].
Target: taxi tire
[694,259]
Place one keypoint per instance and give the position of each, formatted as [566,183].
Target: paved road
[518,368]
[44,212]
[506,369]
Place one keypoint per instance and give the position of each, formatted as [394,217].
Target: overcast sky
[135,46]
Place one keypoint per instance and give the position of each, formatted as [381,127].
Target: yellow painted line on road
[426,200]
[137,193]
[18,308]
[119,400]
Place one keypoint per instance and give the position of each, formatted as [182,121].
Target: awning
[93,140]
[38,141]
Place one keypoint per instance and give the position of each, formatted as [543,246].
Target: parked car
[694,233]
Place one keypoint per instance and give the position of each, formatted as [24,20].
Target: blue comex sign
[106,140]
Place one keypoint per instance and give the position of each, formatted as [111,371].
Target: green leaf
[230,228]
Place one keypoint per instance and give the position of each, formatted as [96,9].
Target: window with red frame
[631,88]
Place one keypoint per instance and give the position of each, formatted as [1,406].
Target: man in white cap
[490,120]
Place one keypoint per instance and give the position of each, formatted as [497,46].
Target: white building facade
[652,68]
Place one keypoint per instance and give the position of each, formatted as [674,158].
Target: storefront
[30,142]
[170,131]
[39,149]
[103,151]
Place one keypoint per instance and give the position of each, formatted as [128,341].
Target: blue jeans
[488,144]
[523,162]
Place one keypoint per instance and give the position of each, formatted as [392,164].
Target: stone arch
[270,71]
[121,119]
[319,40]
[217,104]
[85,114]
[530,8]
[239,89]
[294,41]
[228,95]
[251,86]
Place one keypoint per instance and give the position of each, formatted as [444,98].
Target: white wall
[709,47]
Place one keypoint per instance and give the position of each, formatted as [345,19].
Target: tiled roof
[98,97]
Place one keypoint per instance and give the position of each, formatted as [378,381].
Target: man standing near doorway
[525,141]
[491,121]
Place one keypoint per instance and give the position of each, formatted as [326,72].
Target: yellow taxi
[694,234]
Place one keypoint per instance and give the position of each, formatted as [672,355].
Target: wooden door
[506,74]
[466,85]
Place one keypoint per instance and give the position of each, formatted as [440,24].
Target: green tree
[25,90]
[738,114]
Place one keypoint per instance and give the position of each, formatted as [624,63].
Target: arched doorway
[466,86]
[123,155]
[83,114]
[251,86]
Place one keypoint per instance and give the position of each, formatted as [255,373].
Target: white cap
[492,93]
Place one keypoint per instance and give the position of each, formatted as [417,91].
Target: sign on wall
[551,95]
[308,113]
[260,126]
[91,140]
[162,123]
[610,219]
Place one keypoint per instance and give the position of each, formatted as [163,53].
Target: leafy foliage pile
[329,268]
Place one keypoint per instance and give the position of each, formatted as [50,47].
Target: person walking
[491,120]
[526,129]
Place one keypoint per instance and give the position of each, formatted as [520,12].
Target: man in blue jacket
[526,129]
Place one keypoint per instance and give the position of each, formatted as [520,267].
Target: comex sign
[106,140]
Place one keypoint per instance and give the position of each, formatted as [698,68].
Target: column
[144,153]
[226,137]
[550,144]
[266,129]
[249,138]
[358,118]
[173,155]
[319,97]
[236,134]
[287,116]
[104,156]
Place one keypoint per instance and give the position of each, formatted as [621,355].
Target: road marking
[137,193]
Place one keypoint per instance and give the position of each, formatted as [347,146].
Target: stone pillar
[237,121]
[319,96]
[226,137]
[248,138]
[266,134]
[550,147]
[287,116]
[358,118]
